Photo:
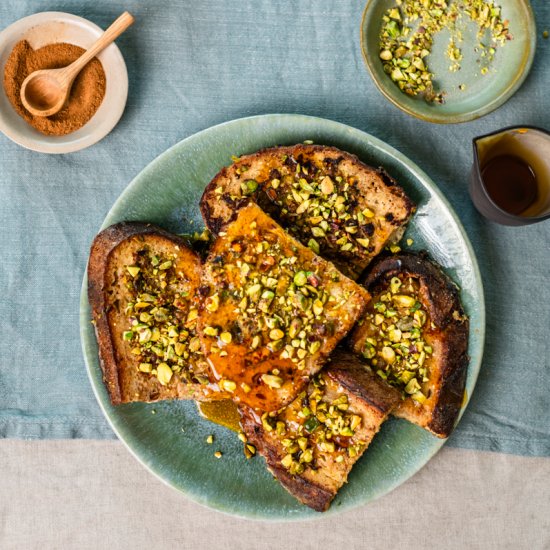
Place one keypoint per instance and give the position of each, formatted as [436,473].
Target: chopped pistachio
[327,185]
[249,187]
[355,422]
[403,300]
[165,265]
[287,461]
[314,347]
[420,317]
[226,337]
[307,456]
[133,270]
[419,397]
[406,41]
[256,341]
[210,331]
[412,386]
[311,423]
[317,232]
[300,278]
[318,307]
[272,381]
[254,291]
[164,373]
[313,245]
[213,303]
[145,367]
[228,385]
[388,354]
[249,450]
[276,334]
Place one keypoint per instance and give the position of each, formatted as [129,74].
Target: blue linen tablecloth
[195,64]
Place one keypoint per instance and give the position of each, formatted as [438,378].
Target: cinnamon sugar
[86,94]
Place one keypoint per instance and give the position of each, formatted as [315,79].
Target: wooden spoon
[45,92]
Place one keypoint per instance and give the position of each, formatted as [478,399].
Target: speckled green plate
[169,438]
[482,93]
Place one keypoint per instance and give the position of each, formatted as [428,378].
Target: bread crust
[449,337]
[305,490]
[347,371]
[123,381]
[369,188]
[368,396]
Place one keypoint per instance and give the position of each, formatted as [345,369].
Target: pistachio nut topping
[318,424]
[271,309]
[279,305]
[162,319]
[407,35]
[395,345]
[324,211]
[320,206]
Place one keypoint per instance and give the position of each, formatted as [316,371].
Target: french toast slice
[273,311]
[143,290]
[344,210]
[312,445]
[414,334]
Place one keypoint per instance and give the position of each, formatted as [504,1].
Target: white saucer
[45,28]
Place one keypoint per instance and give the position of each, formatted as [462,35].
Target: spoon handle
[110,35]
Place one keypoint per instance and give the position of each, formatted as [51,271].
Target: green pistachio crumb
[407,34]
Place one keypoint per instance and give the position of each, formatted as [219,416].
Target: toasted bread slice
[415,335]
[273,311]
[329,200]
[143,289]
[312,445]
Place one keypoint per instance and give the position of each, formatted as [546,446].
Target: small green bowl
[482,93]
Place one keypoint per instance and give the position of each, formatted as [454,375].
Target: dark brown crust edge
[348,370]
[102,247]
[443,302]
[215,224]
[307,492]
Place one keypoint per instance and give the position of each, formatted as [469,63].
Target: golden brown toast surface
[414,334]
[343,209]
[143,289]
[273,311]
[312,445]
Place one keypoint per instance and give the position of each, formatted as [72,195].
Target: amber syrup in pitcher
[510,182]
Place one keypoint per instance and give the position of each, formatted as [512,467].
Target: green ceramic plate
[169,438]
[482,93]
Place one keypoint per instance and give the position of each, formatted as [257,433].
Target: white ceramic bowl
[47,28]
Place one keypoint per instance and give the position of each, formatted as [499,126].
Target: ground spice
[86,94]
